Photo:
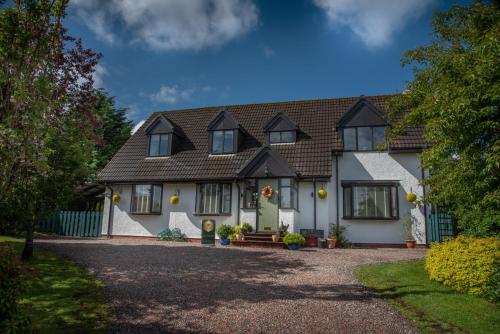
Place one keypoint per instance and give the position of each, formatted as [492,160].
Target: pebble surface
[168,287]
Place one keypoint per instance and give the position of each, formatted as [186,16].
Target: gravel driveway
[163,287]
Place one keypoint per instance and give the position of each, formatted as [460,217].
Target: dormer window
[364,138]
[159,145]
[162,137]
[224,134]
[281,130]
[281,137]
[223,142]
[363,127]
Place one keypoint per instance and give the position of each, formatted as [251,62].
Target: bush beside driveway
[179,287]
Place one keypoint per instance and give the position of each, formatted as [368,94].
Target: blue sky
[171,54]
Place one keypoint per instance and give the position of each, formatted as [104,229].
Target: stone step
[254,243]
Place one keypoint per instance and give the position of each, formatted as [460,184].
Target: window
[364,138]
[159,145]
[146,199]
[214,198]
[250,195]
[370,201]
[280,137]
[288,194]
[223,141]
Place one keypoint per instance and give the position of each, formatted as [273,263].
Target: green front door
[267,219]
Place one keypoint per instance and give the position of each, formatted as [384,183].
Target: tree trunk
[28,245]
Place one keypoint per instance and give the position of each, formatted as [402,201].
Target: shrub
[338,234]
[466,264]
[224,231]
[237,229]
[174,234]
[294,238]
[246,228]
[12,319]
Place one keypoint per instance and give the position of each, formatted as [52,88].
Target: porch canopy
[267,162]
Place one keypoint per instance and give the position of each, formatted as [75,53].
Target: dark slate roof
[310,156]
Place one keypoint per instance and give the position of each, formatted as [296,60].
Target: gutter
[425,205]
[239,203]
[314,204]
[337,190]
[111,210]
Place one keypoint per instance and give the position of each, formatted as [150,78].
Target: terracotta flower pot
[410,243]
[311,241]
[276,237]
[332,243]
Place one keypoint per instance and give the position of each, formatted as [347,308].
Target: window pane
[250,194]
[163,145]
[156,206]
[347,202]
[285,182]
[154,145]
[350,139]
[378,137]
[228,141]
[364,139]
[287,137]
[370,202]
[226,198]
[382,208]
[394,199]
[217,141]
[285,197]
[274,137]
[140,200]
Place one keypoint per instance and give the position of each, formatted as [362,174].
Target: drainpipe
[110,216]
[314,203]
[337,189]
[425,205]
[239,203]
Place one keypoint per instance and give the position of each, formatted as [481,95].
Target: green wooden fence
[442,226]
[73,223]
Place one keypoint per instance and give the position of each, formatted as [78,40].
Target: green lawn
[61,297]
[433,307]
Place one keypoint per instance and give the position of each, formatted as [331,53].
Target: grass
[432,307]
[61,297]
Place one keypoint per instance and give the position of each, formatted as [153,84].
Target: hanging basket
[267,192]
[116,198]
[174,199]
[322,193]
[411,197]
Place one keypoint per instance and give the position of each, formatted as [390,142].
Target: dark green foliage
[294,239]
[455,97]
[224,231]
[12,318]
[174,234]
[115,128]
[338,234]
[246,228]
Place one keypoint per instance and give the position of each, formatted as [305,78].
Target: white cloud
[99,73]
[268,51]
[171,94]
[373,21]
[137,126]
[169,24]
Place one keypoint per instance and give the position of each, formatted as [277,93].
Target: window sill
[145,214]
[369,218]
[158,157]
[221,155]
[211,214]
[290,143]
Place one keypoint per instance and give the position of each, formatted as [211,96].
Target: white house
[217,160]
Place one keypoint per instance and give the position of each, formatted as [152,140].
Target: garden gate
[442,225]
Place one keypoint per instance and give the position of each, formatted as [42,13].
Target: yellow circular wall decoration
[116,198]
[411,197]
[322,193]
[174,199]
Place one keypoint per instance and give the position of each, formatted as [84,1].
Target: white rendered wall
[305,214]
[372,166]
[173,216]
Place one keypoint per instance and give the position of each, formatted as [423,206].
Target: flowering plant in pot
[408,222]
[332,237]
[246,228]
[224,231]
[294,241]
[238,233]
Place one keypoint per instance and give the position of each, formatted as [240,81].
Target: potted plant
[237,230]
[407,222]
[224,231]
[294,241]
[275,237]
[331,240]
[246,228]
[282,231]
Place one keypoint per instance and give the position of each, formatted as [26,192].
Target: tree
[115,128]
[46,99]
[455,97]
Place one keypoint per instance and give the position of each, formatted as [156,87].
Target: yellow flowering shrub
[466,264]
